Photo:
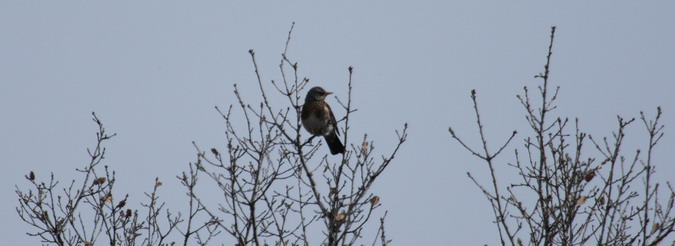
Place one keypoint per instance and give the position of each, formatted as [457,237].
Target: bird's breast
[316,118]
[317,126]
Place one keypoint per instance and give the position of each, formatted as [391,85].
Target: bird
[318,119]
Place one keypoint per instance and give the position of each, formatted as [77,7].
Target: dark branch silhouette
[571,194]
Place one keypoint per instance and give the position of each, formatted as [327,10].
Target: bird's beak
[328,93]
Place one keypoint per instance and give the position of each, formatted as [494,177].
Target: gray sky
[153,70]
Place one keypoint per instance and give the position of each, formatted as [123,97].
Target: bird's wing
[332,120]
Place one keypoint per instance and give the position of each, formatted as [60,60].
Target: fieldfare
[318,119]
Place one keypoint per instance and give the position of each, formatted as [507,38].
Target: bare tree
[569,193]
[87,210]
[277,184]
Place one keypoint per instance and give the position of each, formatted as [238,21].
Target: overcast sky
[154,70]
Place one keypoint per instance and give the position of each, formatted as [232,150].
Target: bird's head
[316,94]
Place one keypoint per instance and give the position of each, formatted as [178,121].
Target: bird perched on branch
[318,119]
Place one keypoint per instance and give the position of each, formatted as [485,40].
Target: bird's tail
[334,144]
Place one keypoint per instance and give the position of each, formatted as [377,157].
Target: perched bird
[318,119]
